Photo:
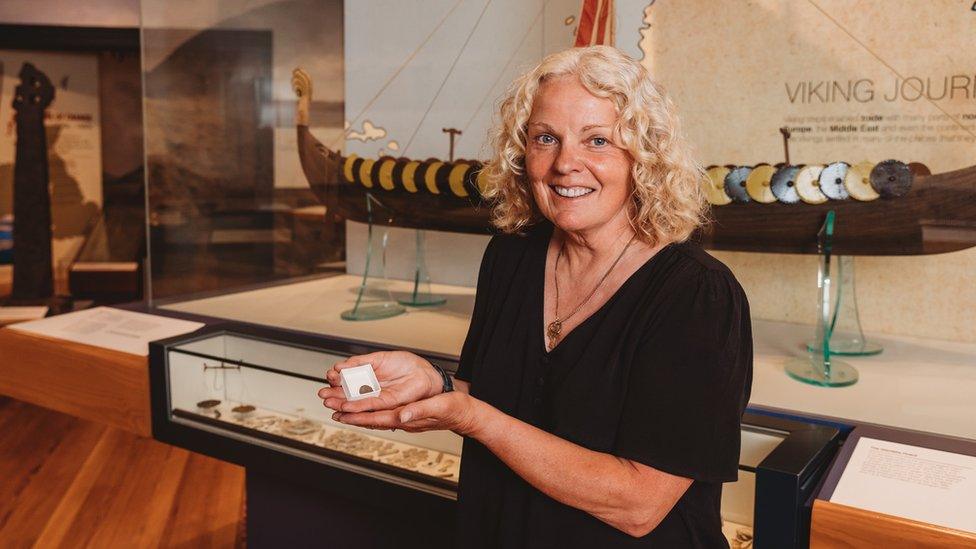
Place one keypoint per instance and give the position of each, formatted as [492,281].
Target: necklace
[556,326]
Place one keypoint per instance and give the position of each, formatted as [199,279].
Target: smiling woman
[609,360]
[632,118]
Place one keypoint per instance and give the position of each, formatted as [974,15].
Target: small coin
[205,404]
[243,409]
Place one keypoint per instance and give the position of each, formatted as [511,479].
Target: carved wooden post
[32,203]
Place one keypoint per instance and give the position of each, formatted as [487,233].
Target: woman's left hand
[455,411]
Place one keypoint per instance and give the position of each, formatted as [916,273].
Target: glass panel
[739,497]
[756,445]
[228,201]
[267,391]
[258,172]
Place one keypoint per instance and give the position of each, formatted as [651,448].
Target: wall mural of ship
[884,208]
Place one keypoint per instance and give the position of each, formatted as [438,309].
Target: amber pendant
[552,332]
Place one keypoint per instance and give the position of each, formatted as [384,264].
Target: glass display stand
[846,335]
[421,295]
[374,300]
[251,388]
[817,367]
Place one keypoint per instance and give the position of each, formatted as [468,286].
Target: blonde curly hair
[667,197]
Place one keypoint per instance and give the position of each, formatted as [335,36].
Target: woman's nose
[567,161]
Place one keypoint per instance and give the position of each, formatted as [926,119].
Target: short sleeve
[478,317]
[690,382]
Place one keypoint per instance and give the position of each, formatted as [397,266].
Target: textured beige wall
[930,296]
[729,64]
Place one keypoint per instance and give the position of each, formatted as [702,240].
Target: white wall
[99,13]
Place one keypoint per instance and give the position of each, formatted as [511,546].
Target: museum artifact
[918,213]
[244,385]
[359,382]
[33,278]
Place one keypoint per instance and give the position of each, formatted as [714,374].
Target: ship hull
[938,214]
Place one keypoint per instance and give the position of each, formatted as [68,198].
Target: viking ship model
[428,194]
[888,208]
[882,209]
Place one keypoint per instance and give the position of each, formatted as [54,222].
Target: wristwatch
[448,382]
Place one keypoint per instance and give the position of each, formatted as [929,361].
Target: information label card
[922,484]
[118,329]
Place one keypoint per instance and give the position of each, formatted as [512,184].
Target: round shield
[832,181]
[808,185]
[917,169]
[891,178]
[714,186]
[757,184]
[735,184]
[783,184]
[858,182]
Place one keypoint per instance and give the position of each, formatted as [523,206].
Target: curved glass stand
[818,368]
[373,301]
[846,336]
[421,296]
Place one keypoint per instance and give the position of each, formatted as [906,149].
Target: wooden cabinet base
[834,526]
[98,384]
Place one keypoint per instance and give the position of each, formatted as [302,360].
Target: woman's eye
[600,141]
[545,139]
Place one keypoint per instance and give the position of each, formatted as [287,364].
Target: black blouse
[660,374]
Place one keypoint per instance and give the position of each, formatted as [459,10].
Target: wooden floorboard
[23,514]
[68,482]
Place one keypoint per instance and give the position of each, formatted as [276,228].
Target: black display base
[281,513]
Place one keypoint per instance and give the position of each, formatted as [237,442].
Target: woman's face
[580,179]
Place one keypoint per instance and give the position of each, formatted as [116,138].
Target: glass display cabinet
[258,389]
[247,394]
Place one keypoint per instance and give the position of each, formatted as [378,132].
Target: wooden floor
[67,482]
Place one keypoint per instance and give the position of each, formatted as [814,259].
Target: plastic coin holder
[359,382]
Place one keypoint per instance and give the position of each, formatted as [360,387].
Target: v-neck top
[660,374]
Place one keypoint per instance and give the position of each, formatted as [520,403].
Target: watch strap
[448,382]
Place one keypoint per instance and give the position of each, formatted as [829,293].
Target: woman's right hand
[404,378]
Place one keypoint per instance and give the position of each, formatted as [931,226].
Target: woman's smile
[571,193]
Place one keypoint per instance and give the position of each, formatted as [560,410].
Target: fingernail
[405,416]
